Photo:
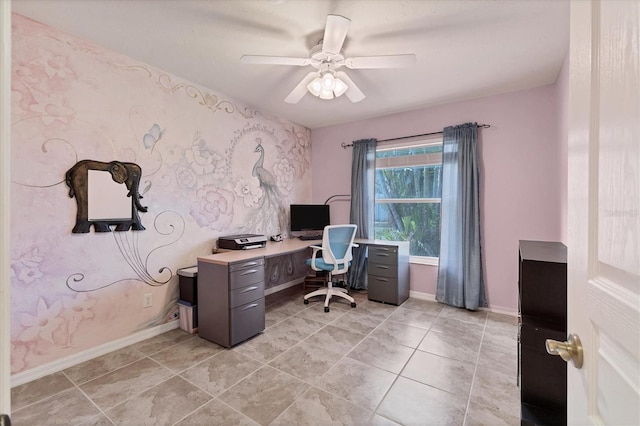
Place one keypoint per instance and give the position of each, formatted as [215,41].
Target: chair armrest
[316,249]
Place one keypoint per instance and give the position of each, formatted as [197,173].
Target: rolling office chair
[337,241]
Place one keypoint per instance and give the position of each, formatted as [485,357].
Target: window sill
[423,260]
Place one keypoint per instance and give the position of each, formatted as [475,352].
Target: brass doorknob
[571,350]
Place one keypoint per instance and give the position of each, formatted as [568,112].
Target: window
[407,195]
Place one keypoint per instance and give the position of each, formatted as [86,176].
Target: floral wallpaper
[210,166]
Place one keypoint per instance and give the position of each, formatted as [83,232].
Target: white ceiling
[465,49]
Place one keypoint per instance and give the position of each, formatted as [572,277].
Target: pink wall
[201,178]
[521,179]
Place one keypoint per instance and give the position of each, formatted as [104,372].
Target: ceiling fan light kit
[327,57]
[326,86]
[339,88]
[315,87]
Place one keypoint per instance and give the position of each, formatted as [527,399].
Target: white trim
[5,199]
[424,260]
[80,357]
[422,296]
[494,309]
[501,310]
[407,200]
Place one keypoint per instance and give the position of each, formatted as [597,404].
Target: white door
[604,211]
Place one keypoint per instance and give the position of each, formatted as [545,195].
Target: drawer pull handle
[382,267]
[382,254]
[248,289]
[245,265]
[249,272]
[251,306]
[382,279]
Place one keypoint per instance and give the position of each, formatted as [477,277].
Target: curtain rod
[345,145]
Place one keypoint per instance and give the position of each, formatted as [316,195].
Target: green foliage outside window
[407,205]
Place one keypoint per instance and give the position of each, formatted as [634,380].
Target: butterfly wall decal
[152,136]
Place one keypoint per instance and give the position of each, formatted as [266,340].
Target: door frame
[5,182]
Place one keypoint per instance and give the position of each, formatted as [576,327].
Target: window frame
[393,145]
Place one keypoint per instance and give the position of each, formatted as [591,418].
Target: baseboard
[501,310]
[422,296]
[80,357]
[495,309]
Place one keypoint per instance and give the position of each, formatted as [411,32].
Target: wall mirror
[107,199]
[107,195]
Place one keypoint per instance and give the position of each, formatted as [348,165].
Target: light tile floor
[417,364]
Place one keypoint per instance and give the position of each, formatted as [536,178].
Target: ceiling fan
[327,82]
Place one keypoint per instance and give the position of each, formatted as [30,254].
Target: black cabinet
[542,309]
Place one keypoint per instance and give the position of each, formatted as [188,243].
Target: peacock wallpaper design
[211,166]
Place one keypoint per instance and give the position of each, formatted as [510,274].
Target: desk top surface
[288,245]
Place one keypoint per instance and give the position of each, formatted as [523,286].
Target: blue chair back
[340,240]
[337,241]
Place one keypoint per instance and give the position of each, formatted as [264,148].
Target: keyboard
[310,237]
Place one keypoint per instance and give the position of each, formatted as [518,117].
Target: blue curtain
[363,168]
[460,277]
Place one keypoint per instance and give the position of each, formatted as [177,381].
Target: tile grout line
[216,397]
[385,318]
[375,411]
[475,370]
[311,385]
[100,411]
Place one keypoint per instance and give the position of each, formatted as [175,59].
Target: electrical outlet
[147,301]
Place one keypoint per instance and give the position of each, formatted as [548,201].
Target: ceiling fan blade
[274,60]
[301,89]
[334,33]
[353,92]
[387,61]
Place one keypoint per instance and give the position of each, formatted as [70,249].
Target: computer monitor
[309,217]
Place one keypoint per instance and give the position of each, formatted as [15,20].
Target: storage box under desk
[187,283]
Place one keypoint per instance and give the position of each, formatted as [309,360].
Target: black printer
[242,242]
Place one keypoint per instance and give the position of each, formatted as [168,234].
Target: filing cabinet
[231,299]
[388,271]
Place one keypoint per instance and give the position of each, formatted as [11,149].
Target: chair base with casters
[330,291]
[335,259]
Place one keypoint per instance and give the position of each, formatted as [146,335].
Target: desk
[231,284]
[286,246]
[231,287]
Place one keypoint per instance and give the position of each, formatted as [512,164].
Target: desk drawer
[382,289]
[247,264]
[246,321]
[387,255]
[244,277]
[246,294]
[382,270]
